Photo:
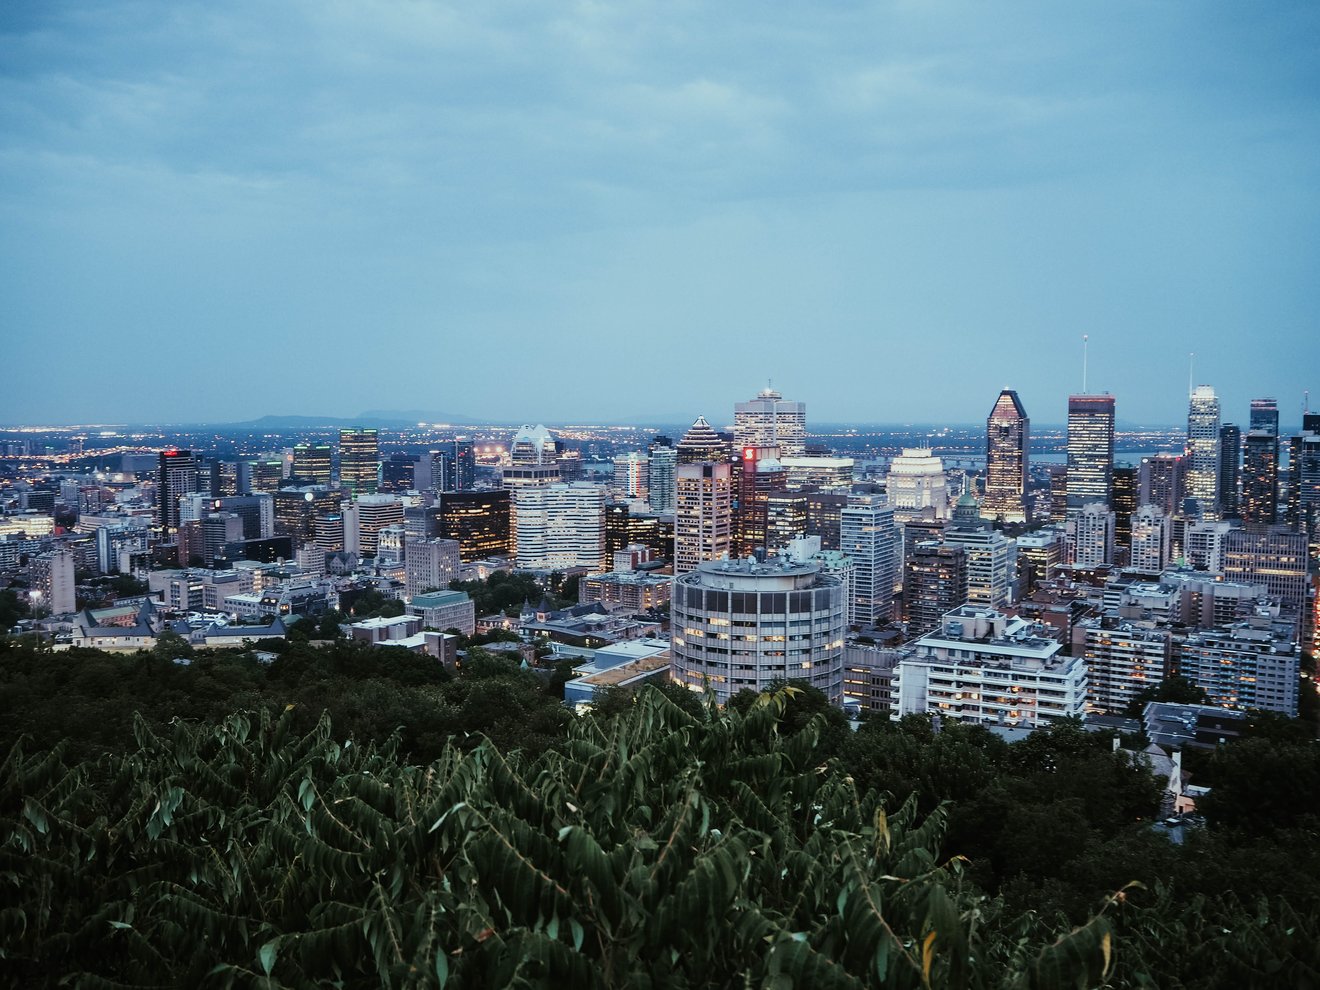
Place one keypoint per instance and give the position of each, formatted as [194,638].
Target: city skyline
[325,196]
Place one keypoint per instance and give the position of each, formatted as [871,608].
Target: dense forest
[356,816]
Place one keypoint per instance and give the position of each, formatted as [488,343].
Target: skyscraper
[1230,457]
[660,475]
[759,475]
[703,513]
[1162,482]
[1203,450]
[176,476]
[934,584]
[702,443]
[561,526]
[1260,477]
[1093,535]
[1150,540]
[991,556]
[1007,434]
[359,461]
[916,482]
[1125,503]
[1090,449]
[868,535]
[312,464]
[769,420]
[1264,416]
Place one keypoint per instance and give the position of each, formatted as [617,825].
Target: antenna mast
[1085,337]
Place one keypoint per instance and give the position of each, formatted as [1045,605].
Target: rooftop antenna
[1085,337]
[1191,372]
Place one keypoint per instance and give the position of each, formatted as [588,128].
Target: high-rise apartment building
[1007,434]
[1123,659]
[359,461]
[934,584]
[1093,535]
[769,420]
[52,580]
[176,476]
[1090,450]
[703,513]
[868,534]
[1203,450]
[313,464]
[1230,460]
[991,556]
[429,565]
[631,475]
[741,624]
[561,526]
[916,483]
[661,464]
[1150,540]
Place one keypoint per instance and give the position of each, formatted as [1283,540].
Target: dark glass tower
[1007,434]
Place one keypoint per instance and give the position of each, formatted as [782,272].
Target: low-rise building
[444,610]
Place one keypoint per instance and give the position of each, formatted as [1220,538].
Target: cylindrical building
[742,624]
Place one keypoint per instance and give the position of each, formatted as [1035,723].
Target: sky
[601,212]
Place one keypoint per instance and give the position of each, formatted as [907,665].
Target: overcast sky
[601,212]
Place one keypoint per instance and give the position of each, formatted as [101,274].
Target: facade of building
[1150,540]
[985,667]
[1251,664]
[1230,461]
[744,625]
[701,443]
[631,475]
[1093,535]
[374,513]
[479,521]
[359,461]
[771,420]
[52,581]
[821,473]
[176,476]
[1090,450]
[1272,556]
[703,513]
[1203,450]
[661,465]
[313,464]
[991,556]
[1162,482]
[869,536]
[444,610]
[934,584]
[1007,435]
[916,481]
[1123,659]
[634,591]
[1260,476]
[561,527]
[429,564]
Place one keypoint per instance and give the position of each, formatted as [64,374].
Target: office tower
[1125,503]
[262,477]
[256,511]
[824,512]
[1058,491]
[758,474]
[785,520]
[1007,434]
[52,580]
[790,617]
[218,530]
[1037,553]
[916,482]
[701,443]
[991,556]
[830,473]
[359,461]
[464,460]
[934,583]
[1264,416]
[561,526]
[297,510]
[631,475]
[618,529]
[312,464]
[769,420]
[229,479]
[176,476]
[429,565]
[1162,482]
[1203,450]
[703,513]
[397,472]
[1203,544]
[479,521]
[1304,473]
[374,513]
[1093,535]
[868,534]
[1230,457]
[1123,659]
[1273,556]
[1260,477]
[1090,450]
[661,464]
[1150,540]
[654,532]
[533,445]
